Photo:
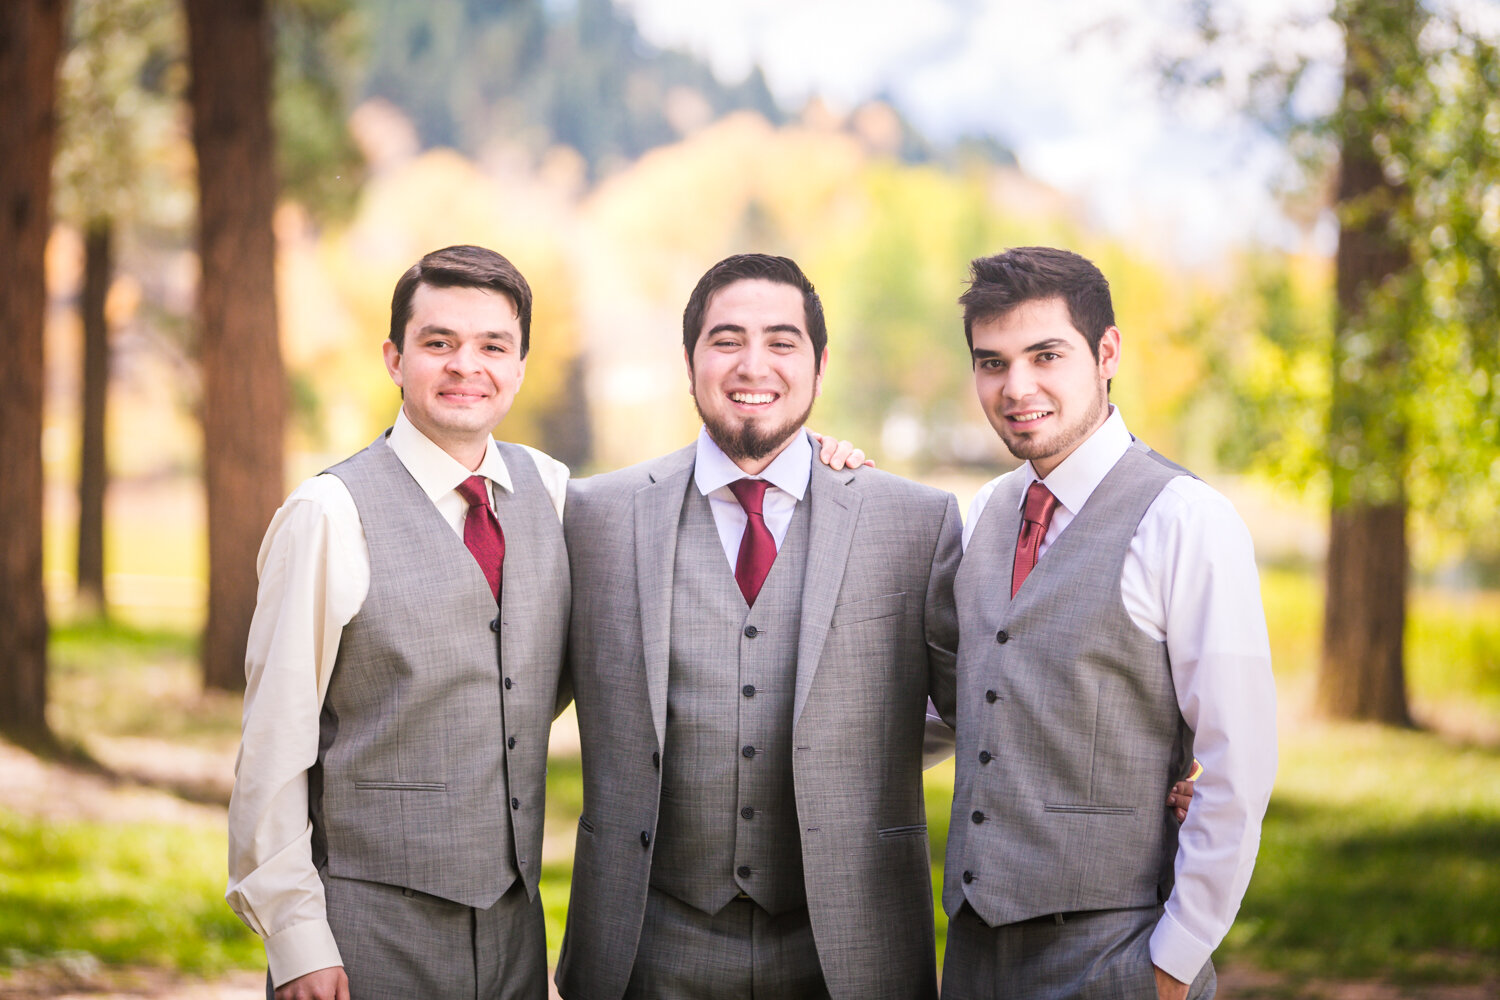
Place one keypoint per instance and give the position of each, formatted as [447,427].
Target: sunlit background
[615,150]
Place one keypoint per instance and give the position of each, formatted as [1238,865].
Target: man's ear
[822,370]
[687,359]
[392,356]
[1109,352]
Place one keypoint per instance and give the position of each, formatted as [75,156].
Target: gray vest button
[743,871]
[1002,637]
[751,631]
[747,750]
[978,816]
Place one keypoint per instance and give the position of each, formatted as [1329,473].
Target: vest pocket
[404,786]
[1093,810]
[901,831]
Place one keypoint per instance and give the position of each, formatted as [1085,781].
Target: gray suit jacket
[878,636]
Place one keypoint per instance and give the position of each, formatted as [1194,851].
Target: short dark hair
[462,267]
[748,266]
[1004,281]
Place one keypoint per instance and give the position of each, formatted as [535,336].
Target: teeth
[1026,418]
[752,397]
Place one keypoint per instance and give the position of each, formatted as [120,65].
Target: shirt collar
[436,471]
[1077,476]
[788,471]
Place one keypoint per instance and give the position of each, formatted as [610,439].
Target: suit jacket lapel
[658,508]
[835,511]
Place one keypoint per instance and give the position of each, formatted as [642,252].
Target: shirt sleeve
[314,575]
[554,477]
[1204,574]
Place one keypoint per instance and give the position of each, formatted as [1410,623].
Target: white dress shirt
[786,476]
[314,572]
[1190,579]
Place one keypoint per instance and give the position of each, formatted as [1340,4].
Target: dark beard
[750,442]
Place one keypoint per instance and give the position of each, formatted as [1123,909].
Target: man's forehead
[749,293]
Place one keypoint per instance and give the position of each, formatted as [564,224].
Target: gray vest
[413,784]
[1069,735]
[728,815]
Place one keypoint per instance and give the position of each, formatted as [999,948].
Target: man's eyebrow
[1052,343]
[724,328]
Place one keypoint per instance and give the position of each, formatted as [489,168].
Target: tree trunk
[31,34]
[244,392]
[1362,673]
[93,469]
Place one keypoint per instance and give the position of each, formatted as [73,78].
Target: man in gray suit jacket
[753,644]
[386,823]
[1111,629]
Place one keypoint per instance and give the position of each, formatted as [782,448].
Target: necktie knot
[751,493]
[474,491]
[1040,503]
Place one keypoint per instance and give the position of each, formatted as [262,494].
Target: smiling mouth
[753,398]
[1028,417]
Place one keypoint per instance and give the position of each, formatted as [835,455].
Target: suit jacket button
[645,839]
[515,803]
[990,696]
[968,877]
[747,813]
[743,871]
[495,625]
[748,690]
[747,750]
[1002,637]
[978,816]
[984,757]
[751,631]
[656,759]
[507,683]
[510,742]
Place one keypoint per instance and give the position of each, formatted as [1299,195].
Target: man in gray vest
[1111,629]
[402,666]
[754,640]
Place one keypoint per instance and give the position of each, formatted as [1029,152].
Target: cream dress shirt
[314,572]
[1190,579]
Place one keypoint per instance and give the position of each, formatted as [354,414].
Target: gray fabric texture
[1102,955]
[414,787]
[740,953]
[1083,733]
[876,635]
[707,848]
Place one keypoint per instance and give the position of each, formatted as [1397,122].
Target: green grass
[128,894]
[1380,856]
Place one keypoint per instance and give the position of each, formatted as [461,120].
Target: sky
[1070,86]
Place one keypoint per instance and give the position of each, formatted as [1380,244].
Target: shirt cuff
[299,949]
[1176,951]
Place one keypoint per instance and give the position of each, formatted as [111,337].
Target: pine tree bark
[244,392]
[1362,674]
[93,469]
[31,34]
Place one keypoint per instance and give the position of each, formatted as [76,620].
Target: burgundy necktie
[757,547]
[482,531]
[1035,516]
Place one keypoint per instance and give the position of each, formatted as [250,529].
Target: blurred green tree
[119,111]
[1411,409]
[31,33]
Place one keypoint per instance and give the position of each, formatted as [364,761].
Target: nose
[753,360]
[464,359]
[1020,381]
